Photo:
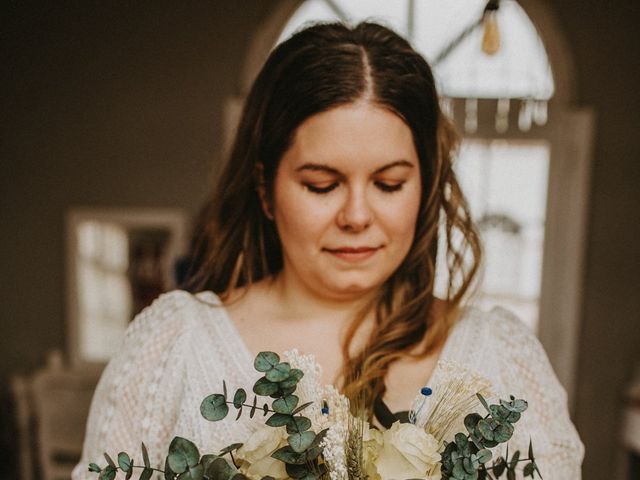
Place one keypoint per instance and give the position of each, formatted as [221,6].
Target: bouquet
[323,437]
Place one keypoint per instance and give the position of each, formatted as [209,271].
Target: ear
[262,191]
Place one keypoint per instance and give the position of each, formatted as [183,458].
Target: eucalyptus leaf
[168,473]
[301,407]
[298,424]
[295,374]
[499,466]
[108,473]
[145,455]
[183,455]
[471,420]
[467,465]
[239,397]
[484,455]
[109,460]
[301,441]
[278,420]
[230,448]
[124,462]
[528,470]
[503,432]
[193,473]
[458,471]
[93,467]
[461,440]
[252,412]
[278,373]
[483,401]
[146,474]
[513,417]
[220,469]
[520,405]
[264,387]
[214,407]
[285,405]
[207,460]
[265,361]
[283,392]
[297,471]
[288,455]
[485,430]
[499,412]
[514,459]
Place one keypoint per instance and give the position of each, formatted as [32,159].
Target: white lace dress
[177,351]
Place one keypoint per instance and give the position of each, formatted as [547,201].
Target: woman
[322,236]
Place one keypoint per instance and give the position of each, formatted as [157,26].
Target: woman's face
[345,200]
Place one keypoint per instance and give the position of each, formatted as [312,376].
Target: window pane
[506,185]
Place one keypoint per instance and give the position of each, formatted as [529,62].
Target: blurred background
[116,117]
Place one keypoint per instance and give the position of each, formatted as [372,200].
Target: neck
[300,303]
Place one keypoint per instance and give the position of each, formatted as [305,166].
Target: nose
[356,213]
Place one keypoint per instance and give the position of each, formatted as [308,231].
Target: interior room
[117,120]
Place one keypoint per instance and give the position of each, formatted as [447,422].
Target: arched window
[487,52]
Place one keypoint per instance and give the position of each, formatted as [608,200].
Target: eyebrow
[319,167]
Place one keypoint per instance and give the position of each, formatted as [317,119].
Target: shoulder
[494,342]
[174,317]
[495,325]
[174,309]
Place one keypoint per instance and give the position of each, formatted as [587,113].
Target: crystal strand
[446,104]
[471,115]
[525,115]
[502,115]
[540,113]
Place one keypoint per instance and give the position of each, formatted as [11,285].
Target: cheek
[299,217]
[401,216]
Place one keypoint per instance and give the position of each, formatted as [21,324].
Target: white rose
[372,444]
[256,452]
[408,452]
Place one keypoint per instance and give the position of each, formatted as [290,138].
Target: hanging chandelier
[532,110]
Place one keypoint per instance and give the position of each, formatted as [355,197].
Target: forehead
[356,135]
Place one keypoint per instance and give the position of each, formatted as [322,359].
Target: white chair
[51,412]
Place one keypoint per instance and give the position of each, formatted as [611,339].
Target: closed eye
[317,189]
[389,187]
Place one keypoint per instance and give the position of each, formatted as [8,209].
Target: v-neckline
[248,360]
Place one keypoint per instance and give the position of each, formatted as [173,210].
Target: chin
[354,288]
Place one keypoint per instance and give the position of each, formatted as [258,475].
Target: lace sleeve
[526,372]
[138,396]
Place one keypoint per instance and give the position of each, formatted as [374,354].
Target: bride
[322,237]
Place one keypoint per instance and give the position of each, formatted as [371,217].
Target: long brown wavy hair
[317,69]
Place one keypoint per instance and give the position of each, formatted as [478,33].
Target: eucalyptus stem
[248,405]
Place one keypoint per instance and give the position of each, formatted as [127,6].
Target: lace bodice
[178,350]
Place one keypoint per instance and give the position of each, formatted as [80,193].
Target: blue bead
[426,391]
[325,410]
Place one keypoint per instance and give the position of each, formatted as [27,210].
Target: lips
[353,254]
